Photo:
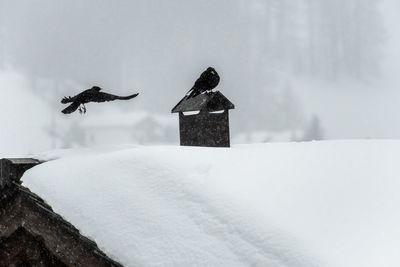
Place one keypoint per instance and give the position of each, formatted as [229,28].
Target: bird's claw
[82,109]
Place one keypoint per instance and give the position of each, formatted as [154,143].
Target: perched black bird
[90,95]
[207,81]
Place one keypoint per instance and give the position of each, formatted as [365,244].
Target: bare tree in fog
[314,130]
[82,41]
[2,49]
[331,38]
[344,37]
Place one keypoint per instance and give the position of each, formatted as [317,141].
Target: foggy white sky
[262,49]
[365,110]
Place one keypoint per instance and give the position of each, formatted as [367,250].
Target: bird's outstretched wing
[68,99]
[103,97]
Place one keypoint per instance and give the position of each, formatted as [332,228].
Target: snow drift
[283,204]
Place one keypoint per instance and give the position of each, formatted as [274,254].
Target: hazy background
[295,69]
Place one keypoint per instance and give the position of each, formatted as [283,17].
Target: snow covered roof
[11,169]
[278,204]
[24,214]
[213,101]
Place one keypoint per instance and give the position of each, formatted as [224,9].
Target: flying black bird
[207,81]
[90,95]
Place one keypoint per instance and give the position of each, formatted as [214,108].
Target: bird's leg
[84,108]
[80,109]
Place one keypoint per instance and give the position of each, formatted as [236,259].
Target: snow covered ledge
[30,232]
[281,204]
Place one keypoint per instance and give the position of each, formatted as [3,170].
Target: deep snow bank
[282,204]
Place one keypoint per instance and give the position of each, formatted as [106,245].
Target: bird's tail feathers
[190,92]
[193,93]
[71,108]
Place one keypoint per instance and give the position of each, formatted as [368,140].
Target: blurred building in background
[121,127]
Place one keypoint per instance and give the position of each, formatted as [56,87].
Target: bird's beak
[212,72]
